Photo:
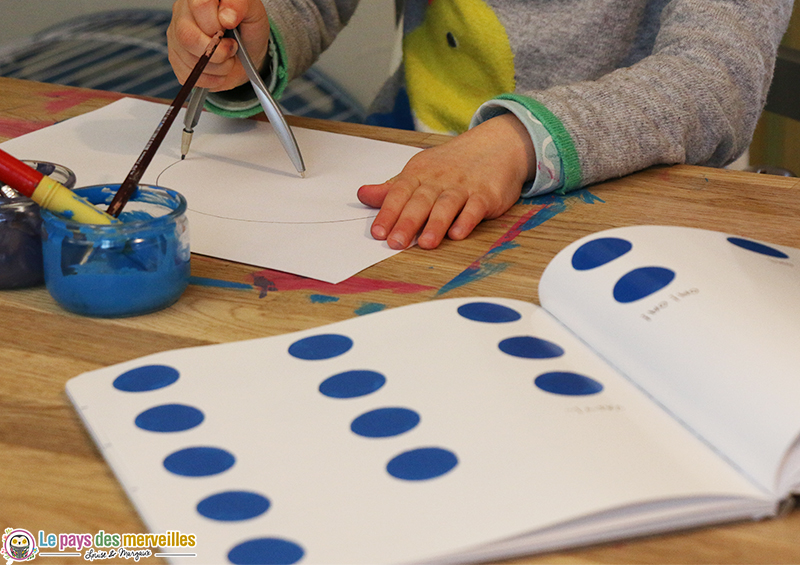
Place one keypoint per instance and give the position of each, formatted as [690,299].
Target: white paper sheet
[246,201]
[527,455]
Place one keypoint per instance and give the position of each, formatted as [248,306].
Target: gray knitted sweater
[605,87]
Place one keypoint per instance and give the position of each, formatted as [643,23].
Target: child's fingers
[372,195]
[395,200]
[474,212]
[413,216]
[448,204]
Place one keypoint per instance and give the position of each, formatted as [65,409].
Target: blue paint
[369,308]
[598,252]
[217,283]
[169,418]
[352,384]
[323,346]
[233,506]
[488,265]
[529,347]
[147,378]
[758,247]
[124,269]
[266,551]
[641,282]
[385,422]
[199,461]
[488,312]
[422,464]
[323,298]
[568,384]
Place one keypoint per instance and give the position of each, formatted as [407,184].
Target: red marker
[48,193]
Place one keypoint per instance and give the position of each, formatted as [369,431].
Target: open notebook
[655,389]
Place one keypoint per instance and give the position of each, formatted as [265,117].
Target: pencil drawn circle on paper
[757,247]
[598,252]
[224,190]
[567,384]
[275,551]
[488,312]
[233,506]
[146,378]
[169,418]
[641,282]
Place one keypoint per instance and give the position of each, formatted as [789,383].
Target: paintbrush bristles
[129,185]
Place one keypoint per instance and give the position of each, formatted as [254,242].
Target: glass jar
[20,237]
[135,267]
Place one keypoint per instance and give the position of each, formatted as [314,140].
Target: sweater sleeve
[696,98]
[300,30]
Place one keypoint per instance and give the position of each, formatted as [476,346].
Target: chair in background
[126,51]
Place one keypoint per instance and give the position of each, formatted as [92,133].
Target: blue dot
[758,247]
[570,384]
[385,422]
[598,252]
[169,418]
[641,282]
[422,464]
[233,505]
[199,461]
[351,384]
[143,379]
[323,346]
[266,551]
[530,347]
[488,312]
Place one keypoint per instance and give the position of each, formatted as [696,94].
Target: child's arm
[449,189]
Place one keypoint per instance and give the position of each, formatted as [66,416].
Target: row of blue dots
[644,281]
[419,464]
[203,461]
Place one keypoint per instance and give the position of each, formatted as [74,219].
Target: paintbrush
[128,187]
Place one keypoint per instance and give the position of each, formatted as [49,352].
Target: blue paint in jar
[136,267]
[21,263]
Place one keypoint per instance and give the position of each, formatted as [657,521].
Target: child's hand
[450,188]
[193,24]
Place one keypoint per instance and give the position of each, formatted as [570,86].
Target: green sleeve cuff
[571,168]
[241,102]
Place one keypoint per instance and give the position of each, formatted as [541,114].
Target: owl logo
[18,545]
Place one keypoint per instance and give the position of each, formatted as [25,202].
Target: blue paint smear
[322,298]
[641,282]
[266,551]
[203,281]
[233,506]
[422,464]
[369,308]
[553,204]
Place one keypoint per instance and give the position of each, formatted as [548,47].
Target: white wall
[359,59]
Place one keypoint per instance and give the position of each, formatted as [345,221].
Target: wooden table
[52,478]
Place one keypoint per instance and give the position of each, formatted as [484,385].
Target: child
[542,95]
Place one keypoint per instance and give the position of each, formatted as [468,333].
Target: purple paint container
[20,238]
